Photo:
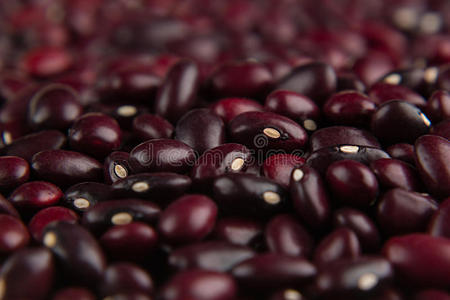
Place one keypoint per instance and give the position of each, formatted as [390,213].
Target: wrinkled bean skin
[45,216]
[28,274]
[238,231]
[440,221]
[13,172]
[13,234]
[420,259]
[148,126]
[76,250]
[75,293]
[394,173]
[278,167]
[228,108]
[341,135]
[35,195]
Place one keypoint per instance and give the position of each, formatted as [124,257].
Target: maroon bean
[420,259]
[55,106]
[342,243]
[350,81]
[77,251]
[74,293]
[148,126]
[65,168]
[81,196]
[27,274]
[284,235]
[7,208]
[278,167]
[310,197]
[392,173]
[238,231]
[47,61]
[30,144]
[177,94]
[401,151]
[341,135]
[116,166]
[188,219]
[35,195]
[162,155]
[130,296]
[384,92]
[13,172]
[349,108]
[201,130]
[199,285]
[440,221]
[315,80]
[103,215]
[270,270]
[124,277]
[362,226]
[399,122]
[131,242]
[431,294]
[48,215]
[249,195]
[372,66]
[95,134]
[400,212]
[265,130]
[441,129]
[432,157]
[13,234]
[412,78]
[228,108]
[287,294]
[438,106]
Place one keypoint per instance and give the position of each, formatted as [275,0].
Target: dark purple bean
[238,231]
[383,92]
[404,152]
[34,195]
[442,129]
[65,168]
[77,251]
[177,94]
[440,221]
[266,130]
[13,234]
[278,167]
[309,196]
[116,166]
[13,172]
[27,274]
[48,215]
[82,196]
[400,212]
[342,243]
[341,135]
[201,130]
[124,277]
[392,173]
[212,255]
[228,108]
[399,122]
[432,157]
[106,214]
[412,78]
[7,208]
[438,106]
[199,285]
[362,226]
[420,259]
[130,296]
[350,81]
[55,106]
[284,235]
[162,155]
[246,194]
[148,127]
[270,270]
[315,80]
[432,294]
[74,293]
[349,108]
[188,219]
[130,242]
[30,144]
[287,294]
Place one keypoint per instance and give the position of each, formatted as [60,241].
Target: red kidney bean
[278,167]
[420,259]
[75,293]
[161,187]
[352,183]
[7,208]
[48,215]
[354,277]
[116,166]
[349,108]
[201,130]
[287,294]
[270,270]
[30,144]
[148,126]
[349,81]
[362,226]
[124,277]
[265,130]
[441,129]
[27,274]
[177,94]
[81,196]
[199,285]
[440,221]
[284,235]
[310,197]
[47,61]
[13,172]
[125,114]
[55,106]
[372,66]
[412,78]
[228,108]
[401,151]
[65,168]
[77,251]
[35,195]
[432,157]
[95,134]
[392,173]
[249,195]
[162,155]
[241,79]
[131,242]
[188,219]
[399,122]
[315,80]
[16,111]
[341,135]
[103,215]
[438,106]
[342,243]
[13,234]
[238,231]
[400,212]
[217,256]
[432,294]
[383,92]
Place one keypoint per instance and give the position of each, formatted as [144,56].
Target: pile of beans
[224,150]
